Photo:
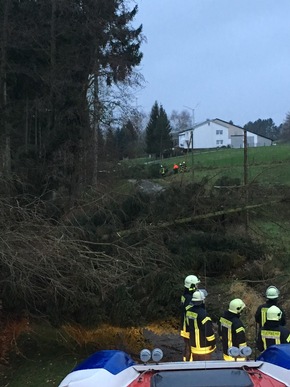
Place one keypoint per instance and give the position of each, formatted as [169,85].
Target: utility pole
[192,159]
[191,141]
[246,179]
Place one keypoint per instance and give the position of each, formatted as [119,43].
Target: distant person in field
[162,170]
[175,168]
[272,295]
[272,332]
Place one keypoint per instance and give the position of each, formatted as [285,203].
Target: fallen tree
[195,218]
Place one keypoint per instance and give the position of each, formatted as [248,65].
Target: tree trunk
[52,67]
[5,167]
[96,120]
[26,126]
[190,219]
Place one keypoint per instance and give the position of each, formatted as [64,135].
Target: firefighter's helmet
[198,296]
[191,281]
[274,313]
[272,292]
[236,306]
[204,291]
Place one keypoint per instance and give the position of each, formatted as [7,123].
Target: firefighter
[162,170]
[272,296]
[273,333]
[175,168]
[231,329]
[190,285]
[202,338]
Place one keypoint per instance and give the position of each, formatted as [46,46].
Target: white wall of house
[217,133]
[263,141]
[206,135]
[210,134]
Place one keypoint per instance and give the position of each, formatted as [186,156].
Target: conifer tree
[49,52]
[158,131]
[286,128]
[127,140]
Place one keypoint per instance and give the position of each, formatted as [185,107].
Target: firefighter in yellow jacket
[273,333]
[231,329]
[190,285]
[272,295]
[202,338]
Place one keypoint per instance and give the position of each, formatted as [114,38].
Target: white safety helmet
[204,291]
[191,281]
[236,306]
[272,292]
[198,296]
[274,313]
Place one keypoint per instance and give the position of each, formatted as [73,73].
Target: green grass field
[266,165]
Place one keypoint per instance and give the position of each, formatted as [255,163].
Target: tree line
[66,72]
[60,62]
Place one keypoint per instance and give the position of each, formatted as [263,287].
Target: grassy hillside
[266,165]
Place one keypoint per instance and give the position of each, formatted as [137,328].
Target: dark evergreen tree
[127,140]
[266,128]
[158,131]
[49,51]
[164,131]
[285,130]
[151,135]
[111,148]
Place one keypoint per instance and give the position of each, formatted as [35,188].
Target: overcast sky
[227,59]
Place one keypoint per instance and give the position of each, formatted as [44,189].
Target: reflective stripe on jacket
[184,301]
[272,333]
[261,313]
[202,338]
[232,332]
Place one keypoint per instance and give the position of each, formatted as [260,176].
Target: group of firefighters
[182,167]
[198,332]
[177,168]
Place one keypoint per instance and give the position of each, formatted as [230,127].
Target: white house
[216,133]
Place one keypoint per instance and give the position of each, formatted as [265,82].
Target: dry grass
[130,340]
[164,327]
[252,300]
[10,331]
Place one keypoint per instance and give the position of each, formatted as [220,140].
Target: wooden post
[246,180]
[192,156]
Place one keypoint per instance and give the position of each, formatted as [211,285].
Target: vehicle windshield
[202,378]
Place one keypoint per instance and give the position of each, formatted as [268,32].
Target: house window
[219,142]
[219,131]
